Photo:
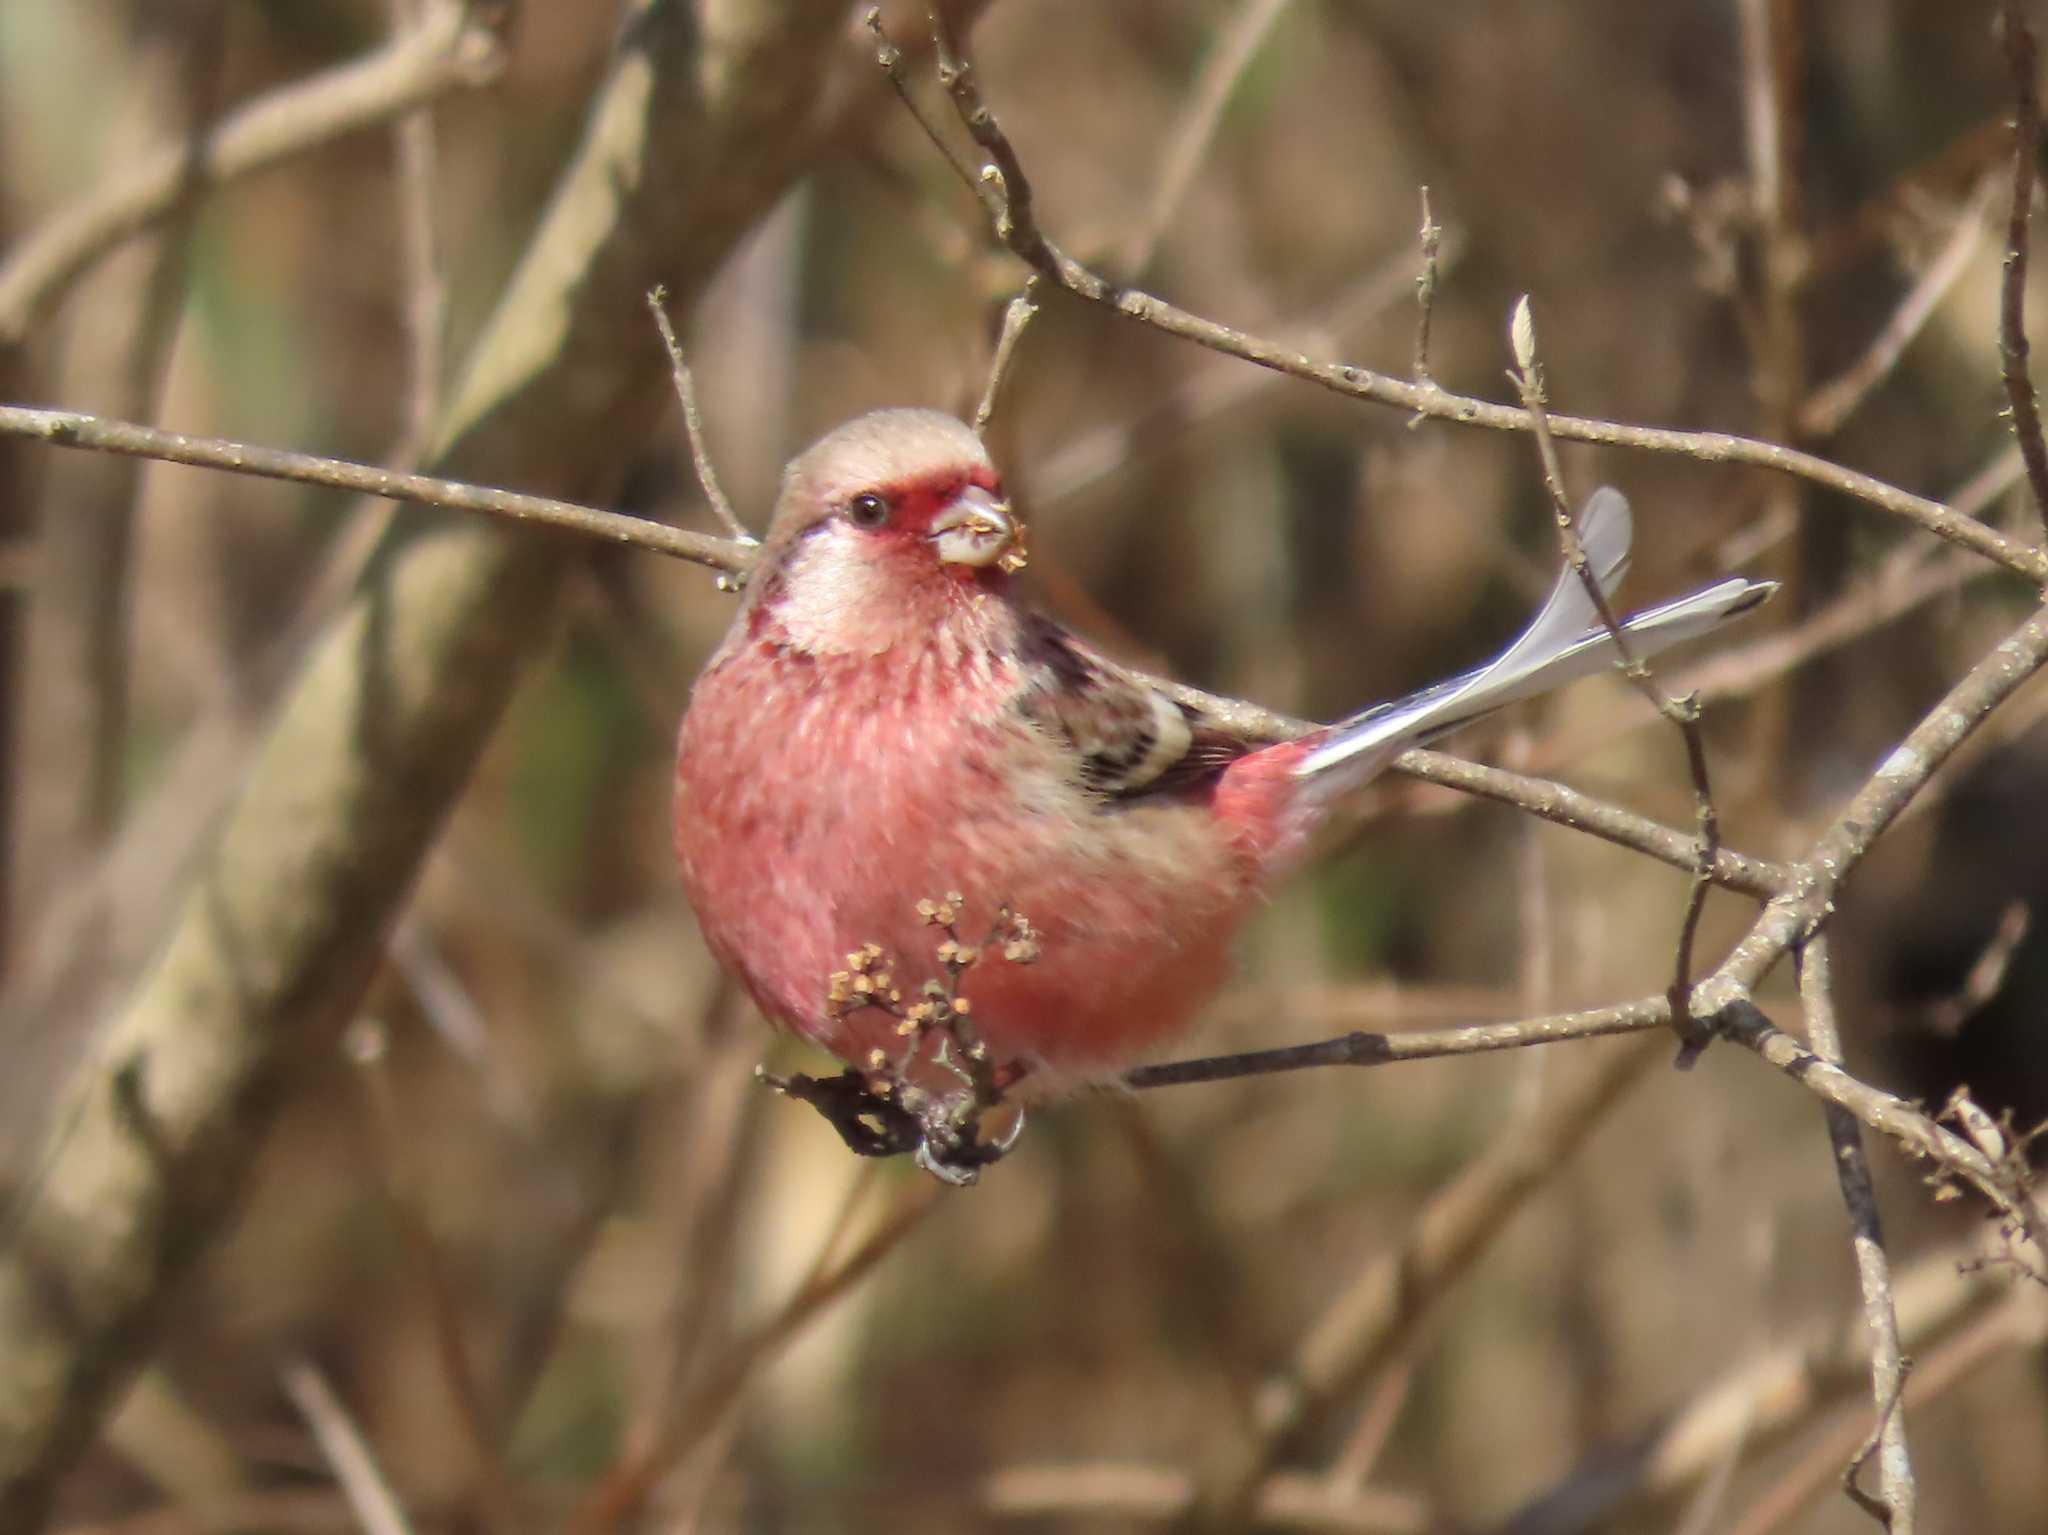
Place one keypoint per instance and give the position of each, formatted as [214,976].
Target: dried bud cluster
[939,1016]
[942,913]
[1020,943]
[863,983]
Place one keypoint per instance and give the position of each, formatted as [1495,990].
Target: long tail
[1565,641]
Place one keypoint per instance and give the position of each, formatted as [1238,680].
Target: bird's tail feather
[1565,641]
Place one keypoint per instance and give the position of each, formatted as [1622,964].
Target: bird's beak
[976,528]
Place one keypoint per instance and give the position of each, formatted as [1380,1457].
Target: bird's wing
[1132,740]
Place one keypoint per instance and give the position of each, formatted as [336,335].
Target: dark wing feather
[1132,739]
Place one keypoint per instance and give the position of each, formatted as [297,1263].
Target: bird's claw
[888,1119]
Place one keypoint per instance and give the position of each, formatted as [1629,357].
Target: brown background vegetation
[521,1214]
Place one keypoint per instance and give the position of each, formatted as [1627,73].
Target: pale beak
[975,528]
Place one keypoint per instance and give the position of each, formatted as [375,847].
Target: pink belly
[804,835]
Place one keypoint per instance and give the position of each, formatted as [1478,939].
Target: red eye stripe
[915,502]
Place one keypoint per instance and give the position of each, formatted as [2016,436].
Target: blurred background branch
[548,1252]
[154,1136]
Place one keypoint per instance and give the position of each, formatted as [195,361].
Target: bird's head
[889,525]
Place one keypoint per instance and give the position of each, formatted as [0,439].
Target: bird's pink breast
[819,799]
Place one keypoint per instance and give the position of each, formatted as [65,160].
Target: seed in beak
[974,529]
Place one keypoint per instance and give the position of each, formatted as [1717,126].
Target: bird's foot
[952,1136]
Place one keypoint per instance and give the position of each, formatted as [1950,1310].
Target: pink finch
[886,722]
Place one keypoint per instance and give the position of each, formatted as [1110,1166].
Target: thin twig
[347,1453]
[2014,1327]
[1189,138]
[693,423]
[2012,310]
[1352,1467]
[1017,314]
[1761,1400]
[1833,403]
[712,1180]
[626,1489]
[426,290]
[71,769]
[1907,579]
[890,57]
[1541,797]
[1794,916]
[1002,186]
[1536,918]
[458,1022]
[1211,387]
[1128,1494]
[1682,713]
[1365,1048]
[1772,49]
[71,429]
[1903,1122]
[368,1047]
[454,49]
[1432,238]
[1946,1015]
[1366,1327]
[700,132]
[1895,1502]
[1791,918]
[1553,802]
[1006,197]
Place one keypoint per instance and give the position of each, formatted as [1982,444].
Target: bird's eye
[867,511]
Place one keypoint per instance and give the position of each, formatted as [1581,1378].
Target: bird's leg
[883,1110]
[873,1124]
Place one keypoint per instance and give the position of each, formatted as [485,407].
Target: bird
[895,769]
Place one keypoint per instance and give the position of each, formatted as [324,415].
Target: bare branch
[71,712]
[890,57]
[1551,801]
[2015,1327]
[693,423]
[1893,1116]
[2012,310]
[425,288]
[155,1133]
[1005,194]
[453,49]
[1873,808]
[348,1454]
[1765,1397]
[1895,1502]
[1017,314]
[1360,1048]
[1432,238]
[1834,402]
[1127,1493]
[1682,713]
[368,1047]
[1212,386]
[626,1487]
[1398,1293]
[1189,138]
[1582,812]
[71,429]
